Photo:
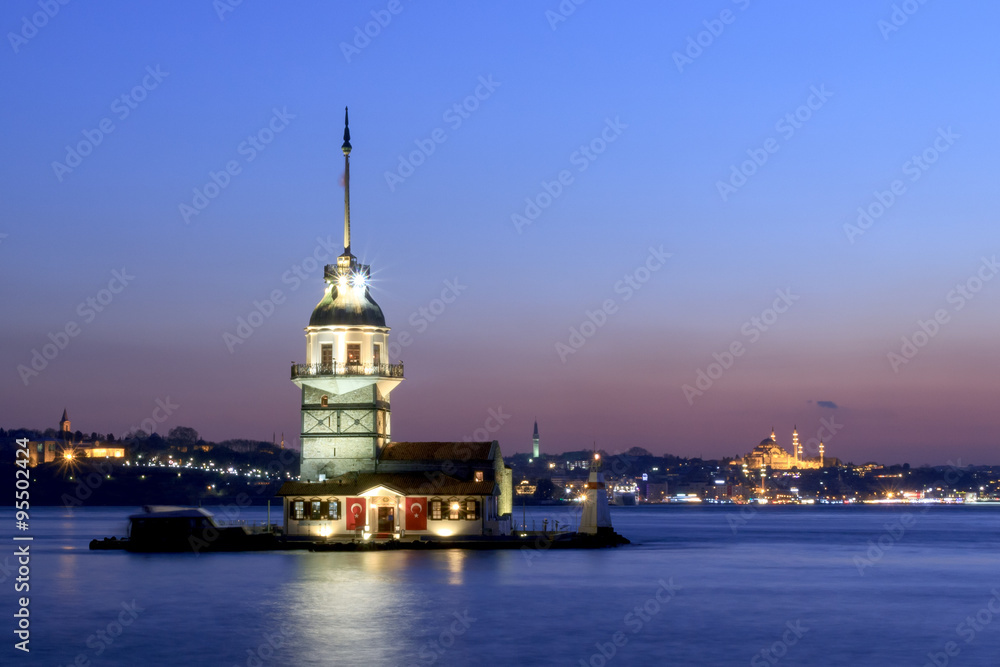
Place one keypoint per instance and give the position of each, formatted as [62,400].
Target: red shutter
[355,513]
[416,513]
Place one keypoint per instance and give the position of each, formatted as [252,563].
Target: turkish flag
[355,513]
[416,513]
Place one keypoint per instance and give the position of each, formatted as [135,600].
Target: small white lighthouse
[596,516]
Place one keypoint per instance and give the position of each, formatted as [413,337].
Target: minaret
[347,377]
[822,449]
[796,446]
[534,442]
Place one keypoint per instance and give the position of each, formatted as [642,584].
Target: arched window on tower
[325,401]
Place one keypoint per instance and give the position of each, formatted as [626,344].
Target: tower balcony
[302,371]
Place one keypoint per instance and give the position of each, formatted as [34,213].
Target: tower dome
[347,302]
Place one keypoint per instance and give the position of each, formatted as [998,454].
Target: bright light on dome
[358,280]
[342,281]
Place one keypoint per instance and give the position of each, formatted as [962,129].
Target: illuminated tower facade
[64,424]
[534,442]
[347,377]
[796,445]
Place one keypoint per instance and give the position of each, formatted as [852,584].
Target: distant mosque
[355,481]
[769,454]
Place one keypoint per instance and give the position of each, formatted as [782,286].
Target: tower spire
[346,147]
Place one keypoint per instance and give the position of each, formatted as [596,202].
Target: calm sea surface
[698,586]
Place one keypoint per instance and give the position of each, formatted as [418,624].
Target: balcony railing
[320,370]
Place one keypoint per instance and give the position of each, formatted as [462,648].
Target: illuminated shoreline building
[356,482]
[47,451]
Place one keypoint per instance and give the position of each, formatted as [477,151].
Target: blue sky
[554,88]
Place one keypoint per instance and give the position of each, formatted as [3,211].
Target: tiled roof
[436,451]
[411,484]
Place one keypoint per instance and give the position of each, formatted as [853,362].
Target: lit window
[325,401]
[334,509]
[471,510]
[326,356]
[376,355]
[315,509]
[454,509]
[436,509]
[479,475]
[299,510]
[353,354]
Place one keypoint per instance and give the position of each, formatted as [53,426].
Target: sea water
[699,585]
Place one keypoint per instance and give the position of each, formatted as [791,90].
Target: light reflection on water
[738,591]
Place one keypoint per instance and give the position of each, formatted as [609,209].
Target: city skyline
[646,244]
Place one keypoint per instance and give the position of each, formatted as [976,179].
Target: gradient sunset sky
[645,108]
